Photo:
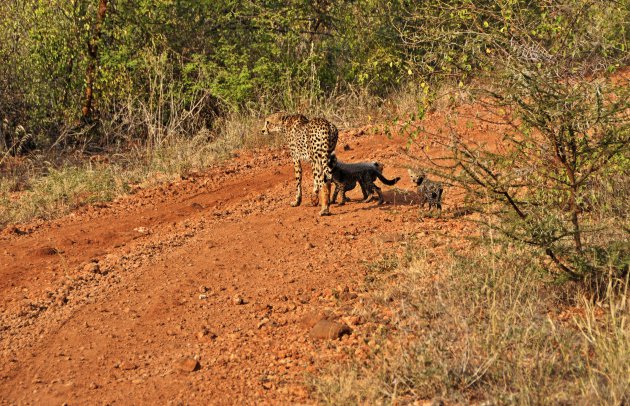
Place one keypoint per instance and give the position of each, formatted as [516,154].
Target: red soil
[174,263]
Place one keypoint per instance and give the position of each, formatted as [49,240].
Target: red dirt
[216,268]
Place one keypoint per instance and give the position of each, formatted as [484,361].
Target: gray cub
[428,190]
[346,176]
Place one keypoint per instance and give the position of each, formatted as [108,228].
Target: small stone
[309,245]
[128,366]
[92,267]
[237,300]
[203,289]
[203,297]
[263,322]
[142,230]
[205,332]
[331,330]
[93,385]
[312,318]
[188,364]
[346,147]
[356,320]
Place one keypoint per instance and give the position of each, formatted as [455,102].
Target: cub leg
[333,199]
[344,199]
[380,194]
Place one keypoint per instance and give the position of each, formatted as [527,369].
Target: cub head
[332,160]
[379,166]
[416,176]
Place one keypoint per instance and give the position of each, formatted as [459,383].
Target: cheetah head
[416,176]
[273,123]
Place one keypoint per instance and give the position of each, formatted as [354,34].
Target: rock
[263,322]
[347,296]
[205,332]
[203,297]
[61,300]
[347,147]
[237,300]
[356,320]
[188,364]
[12,229]
[142,230]
[93,385]
[47,250]
[128,366]
[331,330]
[312,318]
[92,267]
[309,246]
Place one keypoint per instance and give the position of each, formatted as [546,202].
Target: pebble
[237,300]
[92,267]
[188,364]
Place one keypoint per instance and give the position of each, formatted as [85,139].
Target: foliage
[567,132]
[232,54]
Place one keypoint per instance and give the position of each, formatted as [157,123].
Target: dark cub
[346,176]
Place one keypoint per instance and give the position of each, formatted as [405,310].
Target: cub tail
[387,181]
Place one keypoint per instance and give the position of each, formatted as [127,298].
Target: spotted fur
[428,190]
[346,176]
[311,141]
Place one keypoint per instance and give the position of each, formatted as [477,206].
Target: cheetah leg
[317,182]
[324,198]
[315,197]
[297,166]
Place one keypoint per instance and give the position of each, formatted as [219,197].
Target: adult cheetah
[311,141]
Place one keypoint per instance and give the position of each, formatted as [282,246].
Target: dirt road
[119,304]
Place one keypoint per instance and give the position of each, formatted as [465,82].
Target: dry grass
[485,327]
[48,191]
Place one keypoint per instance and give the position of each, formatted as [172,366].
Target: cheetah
[346,176]
[311,141]
[429,191]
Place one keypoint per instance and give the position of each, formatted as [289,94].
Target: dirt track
[171,262]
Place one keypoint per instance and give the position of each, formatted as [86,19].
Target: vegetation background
[98,96]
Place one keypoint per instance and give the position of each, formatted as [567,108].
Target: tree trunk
[92,48]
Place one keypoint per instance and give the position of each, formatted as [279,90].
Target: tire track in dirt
[171,261]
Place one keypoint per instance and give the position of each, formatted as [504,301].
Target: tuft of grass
[484,327]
